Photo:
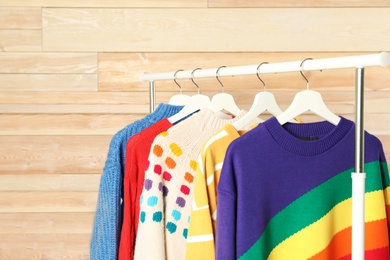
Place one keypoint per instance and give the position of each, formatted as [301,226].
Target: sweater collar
[308,139]
[163,110]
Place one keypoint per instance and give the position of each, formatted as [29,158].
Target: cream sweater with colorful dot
[167,195]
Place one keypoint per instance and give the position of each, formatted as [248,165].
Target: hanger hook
[174,79]
[301,71]
[192,79]
[217,76]
[258,71]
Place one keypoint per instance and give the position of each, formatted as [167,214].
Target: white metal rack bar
[358,62]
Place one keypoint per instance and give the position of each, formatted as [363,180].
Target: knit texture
[108,218]
[167,193]
[202,226]
[285,193]
[137,152]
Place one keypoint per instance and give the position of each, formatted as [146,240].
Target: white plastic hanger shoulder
[224,102]
[263,101]
[194,103]
[307,100]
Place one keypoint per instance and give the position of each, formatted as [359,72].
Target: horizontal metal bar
[359,61]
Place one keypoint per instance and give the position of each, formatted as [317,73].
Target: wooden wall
[69,80]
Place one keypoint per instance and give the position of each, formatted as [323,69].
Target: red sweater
[137,152]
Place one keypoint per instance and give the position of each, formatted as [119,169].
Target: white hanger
[178,99]
[194,103]
[307,100]
[264,101]
[223,103]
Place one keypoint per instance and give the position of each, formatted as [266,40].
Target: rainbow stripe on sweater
[294,237]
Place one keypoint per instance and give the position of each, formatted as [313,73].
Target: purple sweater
[285,193]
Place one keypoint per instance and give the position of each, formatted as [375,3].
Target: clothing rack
[358,62]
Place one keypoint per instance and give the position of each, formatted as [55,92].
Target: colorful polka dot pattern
[189,177]
[176,149]
[164,134]
[157,216]
[152,201]
[157,150]
[157,169]
[166,176]
[148,184]
[142,216]
[176,215]
[170,163]
[193,165]
[171,227]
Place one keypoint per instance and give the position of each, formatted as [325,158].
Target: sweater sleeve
[108,217]
[227,210]
[150,241]
[127,237]
[200,241]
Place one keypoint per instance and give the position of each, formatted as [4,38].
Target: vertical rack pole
[358,177]
[152,96]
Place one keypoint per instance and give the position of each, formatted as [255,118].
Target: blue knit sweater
[108,219]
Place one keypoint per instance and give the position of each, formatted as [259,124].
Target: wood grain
[20,40]
[74,109]
[385,139]
[47,246]
[51,201]
[20,18]
[75,98]
[121,71]
[50,182]
[106,3]
[64,124]
[44,223]
[63,63]
[197,30]
[53,154]
[43,83]
[300,3]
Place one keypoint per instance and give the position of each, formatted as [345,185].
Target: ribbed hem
[163,110]
[326,134]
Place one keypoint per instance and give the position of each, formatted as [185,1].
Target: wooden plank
[74,109]
[47,246]
[300,3]
[43,223]
[64,124]
[51,201]
[49,182]
[121,71]
[106,3]
[20,40]
[63,63]
[92,98]
[47,82]
[20,18]
[210,30]
[53,154]
[385,139]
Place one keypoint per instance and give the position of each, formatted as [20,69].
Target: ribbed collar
[206,118]
[202,123]
[163,110]
[287,136]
